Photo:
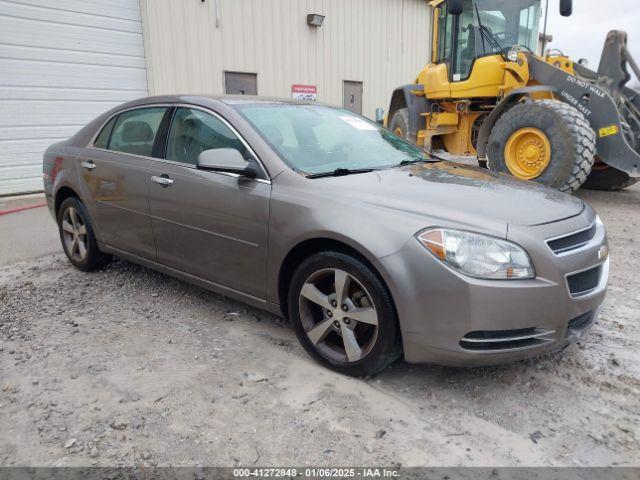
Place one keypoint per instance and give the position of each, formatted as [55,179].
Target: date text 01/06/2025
[316,472]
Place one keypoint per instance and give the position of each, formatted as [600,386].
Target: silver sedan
[372,248]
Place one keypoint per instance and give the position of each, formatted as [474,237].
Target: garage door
[62,63]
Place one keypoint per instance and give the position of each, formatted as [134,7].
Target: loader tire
[609,179]
[561,133]
[400,124]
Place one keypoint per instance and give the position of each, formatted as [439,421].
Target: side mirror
[566,8]
[455,7]
[380,115]
[227,160]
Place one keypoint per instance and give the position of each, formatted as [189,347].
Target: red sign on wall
[304,92]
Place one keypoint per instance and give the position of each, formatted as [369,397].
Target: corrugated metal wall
[190,43]
[62,63]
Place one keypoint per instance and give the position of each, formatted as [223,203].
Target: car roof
[225,99]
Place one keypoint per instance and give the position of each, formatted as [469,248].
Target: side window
[135,131]
[194,131]
[445,27]
[466,37]
[102,140]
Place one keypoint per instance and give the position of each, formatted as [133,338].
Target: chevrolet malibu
[372,248]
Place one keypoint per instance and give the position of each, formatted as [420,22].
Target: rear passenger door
[209,224]
[114,177]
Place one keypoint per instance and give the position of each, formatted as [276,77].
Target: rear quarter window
[102,140]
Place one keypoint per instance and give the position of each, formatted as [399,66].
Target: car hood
[453,191]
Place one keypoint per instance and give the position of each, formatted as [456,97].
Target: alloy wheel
[338,315]
[74,233]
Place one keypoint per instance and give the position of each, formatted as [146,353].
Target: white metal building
[63,62]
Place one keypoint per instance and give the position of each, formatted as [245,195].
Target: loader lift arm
[542,118]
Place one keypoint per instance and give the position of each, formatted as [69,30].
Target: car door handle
[88,165]
[164,181]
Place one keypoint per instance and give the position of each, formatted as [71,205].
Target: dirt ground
[130,367]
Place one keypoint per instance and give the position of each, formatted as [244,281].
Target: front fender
[403,97]
[507,102]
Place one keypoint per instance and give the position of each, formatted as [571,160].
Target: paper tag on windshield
[358,123]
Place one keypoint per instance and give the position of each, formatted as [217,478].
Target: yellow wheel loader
[485,93]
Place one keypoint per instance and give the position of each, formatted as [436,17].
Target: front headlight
[478,255]
[512,55]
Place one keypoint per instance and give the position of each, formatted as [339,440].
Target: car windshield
[316,139]
[508,22]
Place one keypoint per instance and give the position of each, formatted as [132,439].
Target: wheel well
[62,195]
[304,250]
[398,101]
[513,98]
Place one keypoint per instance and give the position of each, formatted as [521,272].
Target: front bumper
[449,318]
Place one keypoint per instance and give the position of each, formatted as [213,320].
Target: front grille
[504,339]
[584,282]
[573,241]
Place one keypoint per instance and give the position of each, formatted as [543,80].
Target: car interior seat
[137,137]
[185,146]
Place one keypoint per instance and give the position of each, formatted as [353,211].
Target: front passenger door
[213,225]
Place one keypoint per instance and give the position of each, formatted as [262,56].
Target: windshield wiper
[492,40]
[341,172]
[404,163]
[485,33]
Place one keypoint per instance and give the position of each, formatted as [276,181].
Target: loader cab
[471,39]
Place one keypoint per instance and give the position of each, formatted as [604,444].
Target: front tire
[77,237]
[343,314]
[400,124]
[546,141]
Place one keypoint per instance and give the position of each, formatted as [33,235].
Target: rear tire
[77,237]
[355,333]
[400,124]
[609,179]
[572,141]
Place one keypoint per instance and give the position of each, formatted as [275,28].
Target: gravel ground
[130,367]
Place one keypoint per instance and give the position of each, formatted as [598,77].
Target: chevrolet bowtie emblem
[603,252]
